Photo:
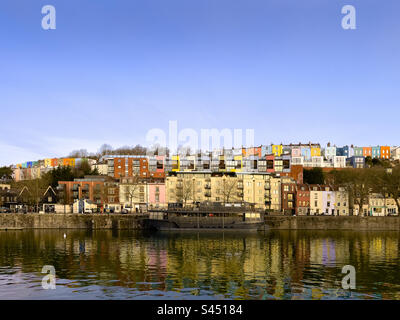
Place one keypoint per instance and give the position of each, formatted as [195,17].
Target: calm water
[130,265]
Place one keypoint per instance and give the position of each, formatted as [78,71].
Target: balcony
[267,186]
[207,186]
[207,194]
[240,194]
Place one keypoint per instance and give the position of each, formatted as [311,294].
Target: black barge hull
[191,224]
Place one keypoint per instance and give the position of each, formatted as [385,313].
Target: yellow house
[239,163]
[315,152]
[47,163]
[277,149]
[176,166]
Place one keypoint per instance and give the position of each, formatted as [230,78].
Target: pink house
[270,163]
[156,194]
[160,164]
[296,152]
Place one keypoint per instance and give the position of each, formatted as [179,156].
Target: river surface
[191,265]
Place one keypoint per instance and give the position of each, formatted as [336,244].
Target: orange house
[256,151]
[54,162]
[367,151]
[69,162]
[385,152]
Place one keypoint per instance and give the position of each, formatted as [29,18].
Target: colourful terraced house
[385,152]
[367,151]
[239,164]
[315,151]
[358,151]
[376,152]
[306,152]
[69,162]
[176,166]
[277,150]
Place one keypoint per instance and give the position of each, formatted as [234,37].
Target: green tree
[314,176]
[63,173]
[5,173]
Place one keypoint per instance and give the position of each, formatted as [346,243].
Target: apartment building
[90,188]
[193,187]
[256,189]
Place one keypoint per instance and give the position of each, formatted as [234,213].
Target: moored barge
[240,216]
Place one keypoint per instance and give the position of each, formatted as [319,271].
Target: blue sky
[112,70]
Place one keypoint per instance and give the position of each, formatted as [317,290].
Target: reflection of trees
[245,265]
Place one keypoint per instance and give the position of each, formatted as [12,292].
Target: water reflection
[131,265]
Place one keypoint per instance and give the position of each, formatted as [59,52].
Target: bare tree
[105,149]
[228,189]
[358,183]
[389,181]
[82,153]
[31,192]
[130,188]
[184,191]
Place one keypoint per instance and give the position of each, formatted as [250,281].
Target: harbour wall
[123,221]
[68,221]
[354,223]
